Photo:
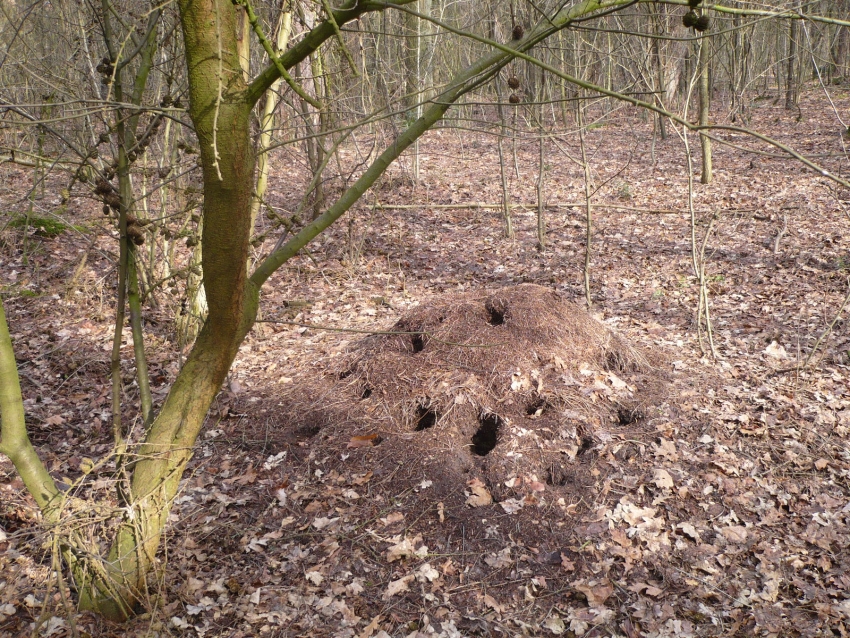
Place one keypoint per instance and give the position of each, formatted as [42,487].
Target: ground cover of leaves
[726,513]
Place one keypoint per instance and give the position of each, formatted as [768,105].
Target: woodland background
[716,504]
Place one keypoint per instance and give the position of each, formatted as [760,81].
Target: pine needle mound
[519,380]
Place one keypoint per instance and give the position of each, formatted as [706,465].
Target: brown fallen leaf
[492,604]
[395,517]
[662,479]
[735,533]
[369,629]
[362,480]
[398,586]
[480,495]
[596,591]
[364,440]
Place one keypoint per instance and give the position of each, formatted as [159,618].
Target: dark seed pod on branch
[702,24]
[135,234]
[112,200]
[690,19]
[515,99]
[518,32]
[513,82]
[102,187]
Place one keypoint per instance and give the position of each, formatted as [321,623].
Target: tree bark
[704,110]
[791,69]
[221,115]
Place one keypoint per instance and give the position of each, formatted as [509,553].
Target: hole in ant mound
[496,311]
[536,407]
[426,417]
[586,444]
[418,342]
[308,430]
[615,362]
[558,475]
[366,393]
[628,416]
[345,374]
[487,435]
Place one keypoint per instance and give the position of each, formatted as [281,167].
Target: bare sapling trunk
[791,68]
[267,121]
[704,109]
[541,183]
[588,211]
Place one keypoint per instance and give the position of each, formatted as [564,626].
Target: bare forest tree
[165,116]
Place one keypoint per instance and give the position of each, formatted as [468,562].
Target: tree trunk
[791,69]
[704,109]
[267,121]
[221,115]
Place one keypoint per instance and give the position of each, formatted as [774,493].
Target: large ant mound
[515,385]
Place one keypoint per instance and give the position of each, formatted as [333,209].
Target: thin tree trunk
[791,68]
[704,109]
[135,304]
[588,216]
[541,198]
[267,121]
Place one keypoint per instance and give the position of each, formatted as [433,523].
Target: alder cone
[513,82]
[112,200]
[690,19]
[702,24]
[135,234]
[518,32]
[102,187]
[514,99]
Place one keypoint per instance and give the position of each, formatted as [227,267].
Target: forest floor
[722,508]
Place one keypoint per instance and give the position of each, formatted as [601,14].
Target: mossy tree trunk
[220,113]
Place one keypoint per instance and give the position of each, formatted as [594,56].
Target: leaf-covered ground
[725,513]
